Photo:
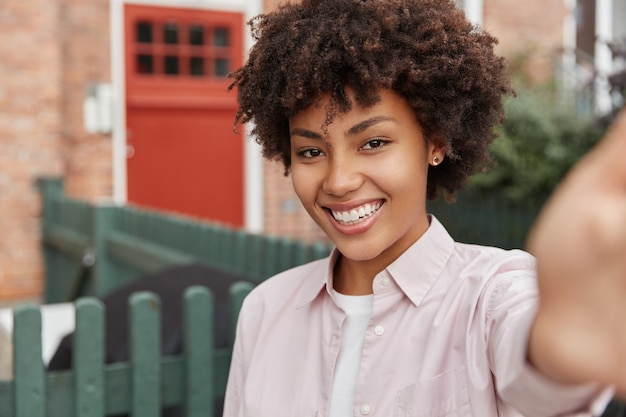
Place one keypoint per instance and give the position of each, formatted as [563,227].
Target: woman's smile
[357,214]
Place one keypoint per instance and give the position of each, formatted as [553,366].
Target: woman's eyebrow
[365,124]
[297,131]
[356,129]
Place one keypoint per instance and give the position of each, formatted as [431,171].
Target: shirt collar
[415,271]
[319,278]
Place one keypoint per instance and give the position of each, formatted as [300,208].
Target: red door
[182,153]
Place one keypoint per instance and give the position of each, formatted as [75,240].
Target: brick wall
[29,136]
[51,51]
[530,33]
[86,60]
[283,213]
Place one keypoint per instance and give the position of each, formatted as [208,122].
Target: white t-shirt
[358,309]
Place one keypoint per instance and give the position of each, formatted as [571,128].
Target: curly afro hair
[424,50]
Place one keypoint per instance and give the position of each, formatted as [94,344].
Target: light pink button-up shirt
[447,337]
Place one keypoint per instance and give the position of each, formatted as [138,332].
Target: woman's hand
[579,240]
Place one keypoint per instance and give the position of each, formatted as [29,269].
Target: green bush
[539,142]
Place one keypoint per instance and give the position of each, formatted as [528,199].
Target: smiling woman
[374,106]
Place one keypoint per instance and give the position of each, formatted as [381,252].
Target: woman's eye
[310,153]
[374,143]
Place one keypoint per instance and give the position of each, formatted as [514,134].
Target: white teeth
[357,214]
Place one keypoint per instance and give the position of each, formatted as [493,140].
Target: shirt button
[365,409]
[379,330]
[386,281]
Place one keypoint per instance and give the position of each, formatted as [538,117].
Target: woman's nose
[342,177]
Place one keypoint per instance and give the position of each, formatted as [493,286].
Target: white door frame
[474,11]
[253,163]
[603,57]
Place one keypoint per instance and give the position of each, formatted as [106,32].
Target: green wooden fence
[485,219]
[93,249]
[140,387]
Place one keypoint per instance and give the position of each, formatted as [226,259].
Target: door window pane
[207,53]
[170,33]
[221,67]
[145,64]
[196,35]
[221,37]
[170,64]
[196,66]
[143,32]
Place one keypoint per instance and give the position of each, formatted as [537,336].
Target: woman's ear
[436,150]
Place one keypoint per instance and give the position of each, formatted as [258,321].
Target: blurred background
[125,102]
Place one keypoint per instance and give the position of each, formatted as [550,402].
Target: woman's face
[363,178]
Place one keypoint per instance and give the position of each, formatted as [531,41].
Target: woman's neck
[354,277]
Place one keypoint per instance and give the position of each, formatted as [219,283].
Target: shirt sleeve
[512,307]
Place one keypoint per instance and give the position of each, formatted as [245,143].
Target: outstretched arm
[579,240]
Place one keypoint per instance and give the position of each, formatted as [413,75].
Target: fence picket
[213,252]
[28,369]
[198,331]
[240,243]
[238,291]
[145,354]
[269,263]
[319,250]
[227,250]
[88,358]
[6,399]
[253,261]
[285,254]
[300,254]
